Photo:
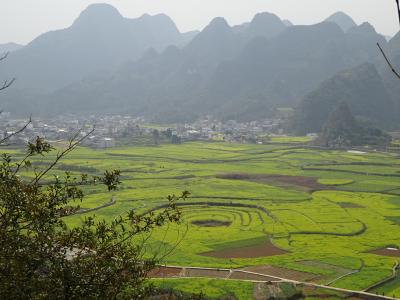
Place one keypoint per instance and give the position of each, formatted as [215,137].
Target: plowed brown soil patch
[165,272]
[212,273]
[283,273]
[307,183]
[238,275]
[211,223]
[387,252]
[265,249]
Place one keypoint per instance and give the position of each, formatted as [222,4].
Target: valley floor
[309,215]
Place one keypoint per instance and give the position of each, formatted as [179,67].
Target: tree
[340,128]
[168,133]
[176,139]
[343,130]
[42,258]
[156,136]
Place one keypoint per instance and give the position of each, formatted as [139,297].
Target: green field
[326,209]
[391,288]
[222,289]
[215,288]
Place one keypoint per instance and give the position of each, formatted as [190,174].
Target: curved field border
[386,280]
[239,212]
[306,168]
[358,163]
[216,204]
[349,182]
[239,158]
[84,211]
[181,177]
[297,212]
[384,192]
[356,233]
[215,213]
[250,198]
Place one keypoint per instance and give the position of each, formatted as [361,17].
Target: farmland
[299,213]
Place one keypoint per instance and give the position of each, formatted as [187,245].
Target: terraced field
[314,215]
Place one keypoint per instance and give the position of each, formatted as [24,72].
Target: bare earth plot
[307,183]
[391,252]
[262,250]
[283,273]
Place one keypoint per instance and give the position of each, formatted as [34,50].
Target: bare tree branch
[395,72]
[388,61]
[6,138]
[72,144]
[7,84]
[4,56]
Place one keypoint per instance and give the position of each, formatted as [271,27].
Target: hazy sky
[23,20]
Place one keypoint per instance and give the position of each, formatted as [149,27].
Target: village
[112,130]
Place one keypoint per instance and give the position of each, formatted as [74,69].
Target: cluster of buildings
[51,129]
[106,129]
[231,131]
[110,129]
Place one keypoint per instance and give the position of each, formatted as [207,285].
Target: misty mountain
[282,70]
[215,43]
[361,88]
[100,39]
[219,72]
[265,24]
[243,72]
[176,75]
[158,80]
[363,38]
[9,47]
[287,23]
[394,45]
[343,20]
[391,82]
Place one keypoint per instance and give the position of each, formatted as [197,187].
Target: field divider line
[386,280]
[341,277]
[89,210]
[270,276]
[196,268]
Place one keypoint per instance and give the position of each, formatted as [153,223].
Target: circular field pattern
[236,214]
